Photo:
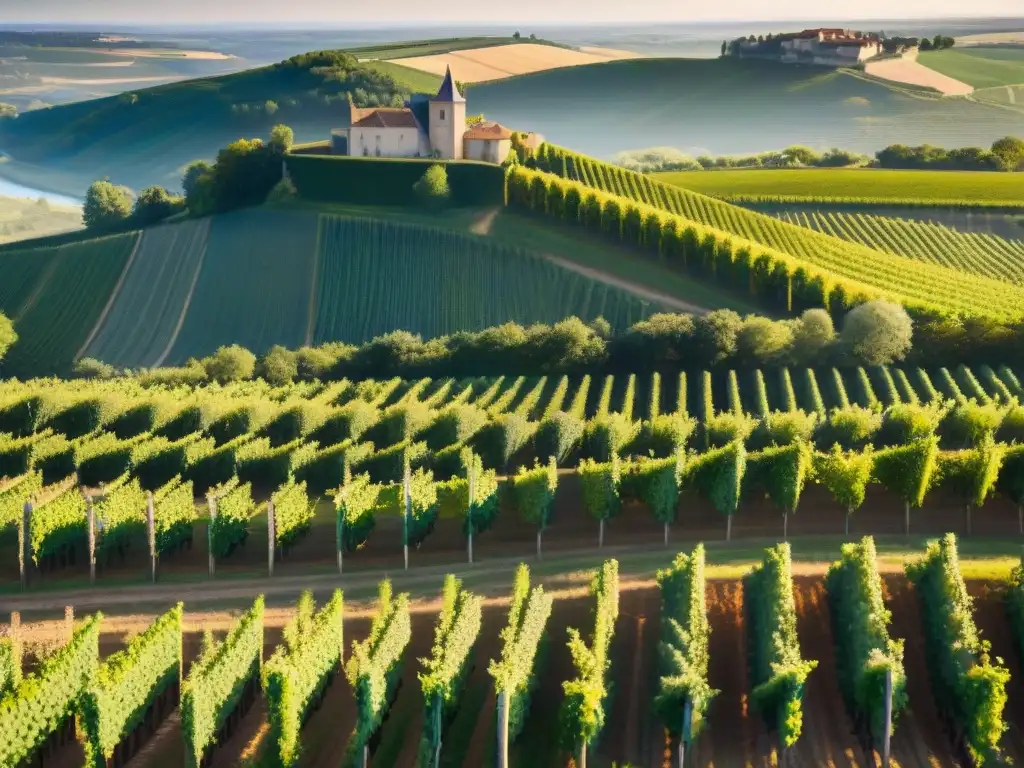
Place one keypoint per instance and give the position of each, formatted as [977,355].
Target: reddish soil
[919,738]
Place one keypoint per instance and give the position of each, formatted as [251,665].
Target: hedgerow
[777,670]
[522,639]
[582,714]
[299,670]
[216,683]
[116,700]
[444,672]
[683,652]
[44,700]
[864,650]
[967,686]
[375,666]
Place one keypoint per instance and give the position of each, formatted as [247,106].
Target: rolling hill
[289,276]
[698,105]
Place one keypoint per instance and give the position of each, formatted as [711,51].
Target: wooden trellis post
[211,503]
[502,729]
[271,535]
[25,543]
[90,512]
[887,718]
[151,535]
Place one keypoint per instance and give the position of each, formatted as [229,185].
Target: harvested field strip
[66,307]
[978,254]
[435,282]
[145,312]
[254,286]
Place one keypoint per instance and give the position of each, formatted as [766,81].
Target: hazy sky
[347,12]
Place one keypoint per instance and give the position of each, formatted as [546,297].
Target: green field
[405,49]
[145,313]
[54,312]
[254,287]
[433,282]
[308,273]
[977,254]
[875,185]
[980,66]
[892,276]
[730,106]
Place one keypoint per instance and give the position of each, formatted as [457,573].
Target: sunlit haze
[455,11]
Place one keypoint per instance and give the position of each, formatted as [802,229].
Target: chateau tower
[448,120]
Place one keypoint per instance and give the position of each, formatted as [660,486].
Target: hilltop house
[427,126]
[822,47]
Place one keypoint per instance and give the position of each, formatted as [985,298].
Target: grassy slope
[256,276]
[728,106]
[979,66]
[148,136]
[853,184]
[21,219]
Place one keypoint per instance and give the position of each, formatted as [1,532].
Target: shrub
[230,363]
[432,189]
[444,672]
[559,435]
[967,687]
[217,681]
[683,650]
[515,673]
[777,670]
[299,670]
[375,666]
[850,428]
[116,700]
[582,714]
[877,333]
[865,651]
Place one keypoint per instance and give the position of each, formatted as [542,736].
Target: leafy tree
[281,139]
[194,171]
[812,335]
[715,335]
[283,191]
[245,173]
[7,335]
[232,363]
[155,204]
[877,333]
[845,476]
[91,368]
[278,366]
[432,189]
[761,339]
[106,206]
[1010,153]
[516,35]
[7,111]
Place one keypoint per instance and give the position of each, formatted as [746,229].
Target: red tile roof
[383,117]
[493,131]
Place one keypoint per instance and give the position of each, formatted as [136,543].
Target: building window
[442,114]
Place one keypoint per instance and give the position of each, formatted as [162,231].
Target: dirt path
[910,71]
[669,302]
[482,226]
[990,616]
[919,738]
[164,747]
[113,296]
[184,307]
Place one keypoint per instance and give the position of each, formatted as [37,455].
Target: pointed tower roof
[449,91]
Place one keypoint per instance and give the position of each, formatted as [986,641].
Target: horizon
[396,14]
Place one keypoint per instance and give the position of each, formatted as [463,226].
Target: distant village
[829,47]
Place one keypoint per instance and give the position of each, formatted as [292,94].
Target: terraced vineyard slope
[921,283]
[977,254]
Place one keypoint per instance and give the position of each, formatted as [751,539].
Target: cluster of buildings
[822,47]
[427,126]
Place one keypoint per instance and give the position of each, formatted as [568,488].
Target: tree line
[875,333]
[1005,154]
